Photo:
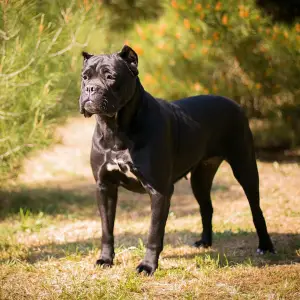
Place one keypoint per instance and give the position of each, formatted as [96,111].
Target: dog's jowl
[145,145]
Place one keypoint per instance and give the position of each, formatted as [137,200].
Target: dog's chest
[119,161]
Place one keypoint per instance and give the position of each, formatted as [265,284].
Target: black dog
[159,143]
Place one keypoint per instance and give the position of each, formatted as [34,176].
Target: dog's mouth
[86,113]
[88,109]
[85,110]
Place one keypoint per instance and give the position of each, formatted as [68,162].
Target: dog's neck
[130,110]
[114,129]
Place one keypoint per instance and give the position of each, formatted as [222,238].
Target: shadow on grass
[50,201]
[229,248]
[80,200]
[280,156]
[241,247]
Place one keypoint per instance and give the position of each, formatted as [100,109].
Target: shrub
[39,64]
[224,47]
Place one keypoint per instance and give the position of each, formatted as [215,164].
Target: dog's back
[221,120]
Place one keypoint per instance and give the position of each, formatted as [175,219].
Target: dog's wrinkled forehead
[98,62]
[124,61]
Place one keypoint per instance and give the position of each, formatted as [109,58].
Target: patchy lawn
[48,248]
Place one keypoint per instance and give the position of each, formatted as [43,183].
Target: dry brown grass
[49,252]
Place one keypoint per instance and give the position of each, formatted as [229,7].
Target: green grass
[48,251]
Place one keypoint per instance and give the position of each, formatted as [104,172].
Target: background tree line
[245,50]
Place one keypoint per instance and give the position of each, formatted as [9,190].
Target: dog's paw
[105,263]
[201,244]
[262,251]
[146,268]
[265,247]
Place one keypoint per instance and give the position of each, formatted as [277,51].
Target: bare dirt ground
[48,250]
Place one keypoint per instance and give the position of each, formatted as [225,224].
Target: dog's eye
[109,76]
[84,77]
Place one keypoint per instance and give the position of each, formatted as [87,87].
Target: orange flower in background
[186,55]
[218,6]
[207,42]
[174,4]
[297,26]
[258,86]
[139,30]
[162,29]
[225,20]
[202,16]
[216,36]
[148,78]
[41,27]
[285,33]
[207,5]
[243,11]
[198,29]
[197,86]
[161,45]
[198,7]
[178,35]
[138,49]
[187,23]
[66,17]
[86,4]
[204,50]
[262,49]
[193,46]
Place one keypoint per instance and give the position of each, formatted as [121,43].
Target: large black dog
[159,142]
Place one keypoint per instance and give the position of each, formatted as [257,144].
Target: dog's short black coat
[145,144]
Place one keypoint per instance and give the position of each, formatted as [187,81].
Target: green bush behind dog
[185,47]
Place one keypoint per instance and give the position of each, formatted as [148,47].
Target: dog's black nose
[90,89]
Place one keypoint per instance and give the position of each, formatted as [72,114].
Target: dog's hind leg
[201,181]
[243,163]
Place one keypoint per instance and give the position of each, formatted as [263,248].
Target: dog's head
[108,82]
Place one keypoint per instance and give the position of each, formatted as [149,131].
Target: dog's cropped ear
[131,58]
[86,55]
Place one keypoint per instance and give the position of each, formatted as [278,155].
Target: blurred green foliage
[229,48]
[186,47]
[40,42]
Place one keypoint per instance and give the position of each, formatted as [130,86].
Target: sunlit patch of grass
[51,254]
[30,223]
[210,262]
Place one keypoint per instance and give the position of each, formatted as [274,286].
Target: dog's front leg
[160,205]
[107,195]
